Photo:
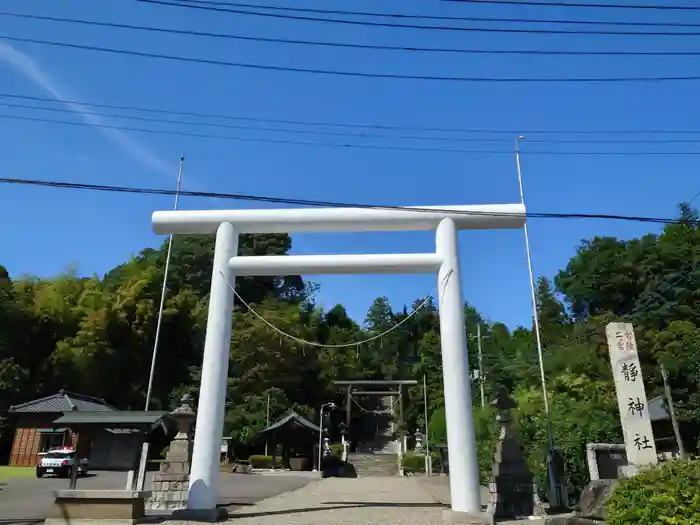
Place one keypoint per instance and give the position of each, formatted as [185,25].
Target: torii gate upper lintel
[229,224]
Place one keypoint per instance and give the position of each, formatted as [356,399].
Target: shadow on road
[336,505]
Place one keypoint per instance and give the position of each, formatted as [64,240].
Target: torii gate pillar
[465,487]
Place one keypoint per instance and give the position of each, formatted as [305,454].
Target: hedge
[415,463]
[667,494]
[264,462]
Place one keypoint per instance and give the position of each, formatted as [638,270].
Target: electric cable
[319,203]
[369,23]
[431,17]
[359,74]
[546,3]
[351,45]
[346,134]
[333,124]
[350,145]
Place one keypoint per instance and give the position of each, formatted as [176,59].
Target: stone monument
[640,446]
[512,491]
[171,484]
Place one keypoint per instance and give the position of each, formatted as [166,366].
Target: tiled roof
[63,402]
[294,419]
[658,410]
[112,419]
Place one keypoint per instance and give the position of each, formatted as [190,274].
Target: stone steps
[374,464]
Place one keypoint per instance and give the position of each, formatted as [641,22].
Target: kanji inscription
[630,372]
[631,395]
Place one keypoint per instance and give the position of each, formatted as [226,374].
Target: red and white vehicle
[59,462]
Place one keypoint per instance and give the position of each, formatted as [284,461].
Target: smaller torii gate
[388,383]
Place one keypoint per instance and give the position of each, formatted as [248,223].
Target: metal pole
[429,462]
[348,410]
[267,419]
[672,411]
[163,292]
[550,438]
[320,439]
[481,367]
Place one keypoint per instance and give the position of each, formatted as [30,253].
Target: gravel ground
[342,501]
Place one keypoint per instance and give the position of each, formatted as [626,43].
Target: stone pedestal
[172,483]
[108,507]
[512,491]
[169,492]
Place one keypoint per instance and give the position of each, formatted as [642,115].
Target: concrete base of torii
[467,518]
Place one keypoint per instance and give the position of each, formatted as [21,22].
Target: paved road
[26,501]
[439,488]
[343,501]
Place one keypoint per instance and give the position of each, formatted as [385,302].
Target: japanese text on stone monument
[631,395]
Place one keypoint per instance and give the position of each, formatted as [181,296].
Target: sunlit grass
[15,472]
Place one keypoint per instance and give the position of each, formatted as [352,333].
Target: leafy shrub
[413,463]
[437,427]
[485,429]
[667,494]
[260,461]
[583,411]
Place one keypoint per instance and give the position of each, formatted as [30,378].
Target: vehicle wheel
[39,472]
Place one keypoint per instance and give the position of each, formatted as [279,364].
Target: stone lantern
[180,450]
[419,442]
[171,484]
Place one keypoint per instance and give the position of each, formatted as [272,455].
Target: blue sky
[46,230]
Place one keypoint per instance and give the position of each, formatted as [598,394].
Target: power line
[369,23]
[340,145]
[345,134]
[315,203]
[359,74]
[433,17]
[350,45]
[387,127]
[653,7]
[480,19]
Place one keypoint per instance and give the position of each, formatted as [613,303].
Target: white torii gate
[229,224]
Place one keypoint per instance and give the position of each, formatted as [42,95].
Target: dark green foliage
[667,494]
[485,429]
[582,411]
